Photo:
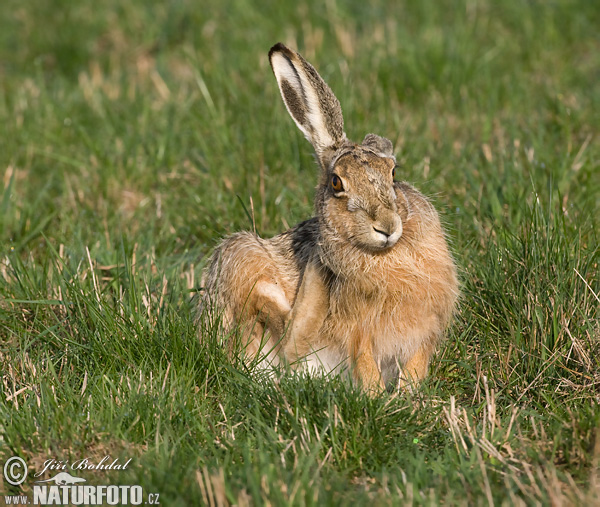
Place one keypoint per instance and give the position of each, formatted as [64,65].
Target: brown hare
[367,285]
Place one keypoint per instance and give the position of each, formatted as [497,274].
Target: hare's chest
[393,324]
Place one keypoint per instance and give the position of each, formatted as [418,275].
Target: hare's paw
[367,374]
[270,300]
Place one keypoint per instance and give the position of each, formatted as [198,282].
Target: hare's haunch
[367,285]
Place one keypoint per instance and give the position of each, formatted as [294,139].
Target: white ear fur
[309,101]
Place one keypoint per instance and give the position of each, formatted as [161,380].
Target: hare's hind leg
[263,320]
[270,305]
[307,317]
[249,288]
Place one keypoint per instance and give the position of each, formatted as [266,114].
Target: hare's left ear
[310,102]
[380,145]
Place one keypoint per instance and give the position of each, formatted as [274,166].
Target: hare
[367,285]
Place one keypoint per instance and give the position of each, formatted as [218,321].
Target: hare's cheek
[361,231]
[337,215]
[353,205]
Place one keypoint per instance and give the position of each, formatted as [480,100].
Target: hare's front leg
[416,367]
[366,371]
[308,314]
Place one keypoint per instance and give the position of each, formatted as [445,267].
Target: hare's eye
[336,183]
[393,173]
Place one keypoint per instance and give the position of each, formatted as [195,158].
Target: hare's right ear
[310,102]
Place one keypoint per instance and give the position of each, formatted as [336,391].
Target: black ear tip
[280,48]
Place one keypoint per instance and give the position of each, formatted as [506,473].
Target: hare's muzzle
[386,233]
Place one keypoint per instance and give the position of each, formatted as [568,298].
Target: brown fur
[367,284]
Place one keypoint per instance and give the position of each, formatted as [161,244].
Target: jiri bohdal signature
[84,464]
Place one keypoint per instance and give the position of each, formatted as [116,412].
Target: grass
[135,135]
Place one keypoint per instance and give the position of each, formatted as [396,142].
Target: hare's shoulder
[299,242]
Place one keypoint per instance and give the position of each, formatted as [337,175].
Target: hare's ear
[380,145]
[310,102]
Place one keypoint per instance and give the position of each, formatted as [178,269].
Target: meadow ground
[134,135]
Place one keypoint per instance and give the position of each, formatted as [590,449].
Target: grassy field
[134,135]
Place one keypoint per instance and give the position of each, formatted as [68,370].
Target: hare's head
[356,199]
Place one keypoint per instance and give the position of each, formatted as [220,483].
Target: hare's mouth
[383,239]
[378,239]
[384,233]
